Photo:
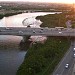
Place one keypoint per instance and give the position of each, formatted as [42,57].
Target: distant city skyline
[54,1]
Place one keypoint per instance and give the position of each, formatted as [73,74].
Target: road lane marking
[63,59]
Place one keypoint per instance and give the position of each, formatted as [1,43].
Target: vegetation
[41,59]
[57,20]
[53,20]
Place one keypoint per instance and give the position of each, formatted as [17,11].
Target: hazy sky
[58,1]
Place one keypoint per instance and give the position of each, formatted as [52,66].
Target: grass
[41,59]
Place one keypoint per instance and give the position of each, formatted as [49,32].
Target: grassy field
[41,59]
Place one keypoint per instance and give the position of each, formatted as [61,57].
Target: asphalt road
[68,58]
[21,31]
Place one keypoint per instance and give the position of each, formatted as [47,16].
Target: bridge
[21,31]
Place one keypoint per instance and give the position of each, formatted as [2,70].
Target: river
[11,56]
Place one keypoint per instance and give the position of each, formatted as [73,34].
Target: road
[21,31]
[68,58]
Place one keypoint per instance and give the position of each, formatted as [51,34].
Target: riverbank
[7,14]
[41,59]
[56,20]
[53,20]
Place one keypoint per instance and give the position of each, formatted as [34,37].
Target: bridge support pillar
[25,43]
[25,38]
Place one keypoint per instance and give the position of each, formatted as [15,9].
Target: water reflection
[10,55]
[16,20]
[10,61]
[11,22]
[10,42]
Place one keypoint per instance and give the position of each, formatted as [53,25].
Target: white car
[67,66]
[74,55]
[74,49]
[60,32]
[8,28]
[20,32]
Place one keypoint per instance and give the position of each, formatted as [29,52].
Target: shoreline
[7,14]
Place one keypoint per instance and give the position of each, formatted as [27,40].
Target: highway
[21,31]
[67,59]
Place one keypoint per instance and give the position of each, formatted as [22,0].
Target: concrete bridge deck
[21,31]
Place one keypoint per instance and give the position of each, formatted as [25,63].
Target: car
[46,27]
[72,45]
[74,55]
[67,66]
[20,31]
[74,49]
[3,30]
[8,28]
[34,31]
[60,32]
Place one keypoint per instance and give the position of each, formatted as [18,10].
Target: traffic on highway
[20,31]
[66,65]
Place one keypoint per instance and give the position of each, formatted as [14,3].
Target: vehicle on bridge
[60,32]
[34,31]
[21,32]
[59,28]
[7,28]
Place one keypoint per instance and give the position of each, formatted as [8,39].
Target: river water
[11,56]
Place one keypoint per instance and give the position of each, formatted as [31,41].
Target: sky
[56,1]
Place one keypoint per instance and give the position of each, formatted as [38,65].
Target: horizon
[45,1]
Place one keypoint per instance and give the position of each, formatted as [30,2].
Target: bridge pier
[25,38]
[25,43]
